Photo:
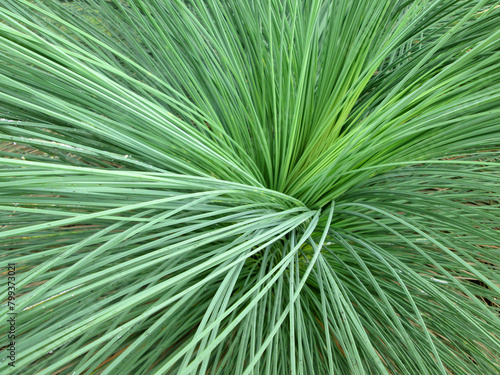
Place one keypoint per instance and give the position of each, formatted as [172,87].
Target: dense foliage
[251,186]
